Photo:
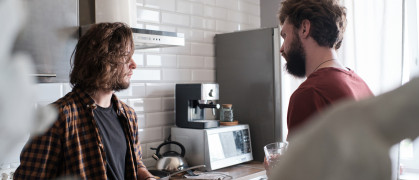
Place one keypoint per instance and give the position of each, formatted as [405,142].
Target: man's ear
[305,28]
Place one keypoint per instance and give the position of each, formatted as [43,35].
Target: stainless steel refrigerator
[250,74]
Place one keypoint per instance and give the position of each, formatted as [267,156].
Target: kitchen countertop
[252,170]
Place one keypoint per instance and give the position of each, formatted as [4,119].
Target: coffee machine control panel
[209,92]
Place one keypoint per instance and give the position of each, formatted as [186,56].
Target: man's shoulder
[67,100]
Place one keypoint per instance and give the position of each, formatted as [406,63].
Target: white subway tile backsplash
[249,8]
[124,93]
[146,74]
[209,62]
[48,91]
[147,15]
[154,61]
[202,49]
[149,162]
[140,2]
[203,75]
[226,26]
[208,2]
[151,134]
[136,104]
[159,119]
[202,23]
[177,19]
[197,9]
[168,104]
[236,16]
[254,20]
[178,50]
[152,104]
[230,4]
[168,5]
[160,90]
[191,62]
[168,60]
[184,7]
[253,1]
[166,131]
[150,152]
[138,59]
[215,12]
[196,35]
[141,120]
[209,36]
[144,151]
[138,90]
[177,75]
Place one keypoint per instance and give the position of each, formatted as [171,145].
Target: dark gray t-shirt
[114,141]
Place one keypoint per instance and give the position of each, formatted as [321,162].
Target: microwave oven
[215,147]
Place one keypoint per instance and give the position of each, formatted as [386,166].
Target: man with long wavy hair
[96,134]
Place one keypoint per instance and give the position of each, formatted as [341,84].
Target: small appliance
[216,147]
[192,100]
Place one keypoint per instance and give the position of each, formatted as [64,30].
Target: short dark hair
[99,56]
[327,18]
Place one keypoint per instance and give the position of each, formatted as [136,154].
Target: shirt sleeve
[39,158]
[303,104]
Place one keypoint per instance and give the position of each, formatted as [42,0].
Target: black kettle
[170,161]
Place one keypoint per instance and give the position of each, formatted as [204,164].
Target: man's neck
[102,98]
[320,57]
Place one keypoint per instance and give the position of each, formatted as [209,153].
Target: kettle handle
[182,154]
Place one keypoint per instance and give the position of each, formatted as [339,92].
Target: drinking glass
[273,151]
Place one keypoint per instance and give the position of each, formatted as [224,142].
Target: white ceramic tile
[150,134]
[124,93]
[138,90]
[146,74]
[191,61]
[210,62]
[178,75]
[48,91]
[141,120]
[150,152]
[186,33]
[209,36]
[254,20]
[202,23]
[43,103]
[196,35]
[202,49]
[248,26]
[153,104]
[197,9]
[124,100]
[138,59]
[215,12]
[249,8]
[236,16]
[154,61]
[159,119]
[168,60]
[177,19]
[168,5]
[166,131]
[209,2]
[147,15]
[178,50]
[226,26]
[203,75]
[151,50]
[253,1]
[168,104]
[136,104]
[160,89]
[229,4]
[184,7]
[160,27]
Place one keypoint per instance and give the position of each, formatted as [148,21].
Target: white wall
[151,93]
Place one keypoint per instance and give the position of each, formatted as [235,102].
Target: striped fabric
[73,146]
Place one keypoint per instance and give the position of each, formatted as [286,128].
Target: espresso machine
[192,104]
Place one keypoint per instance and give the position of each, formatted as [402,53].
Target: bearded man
[313,31]
[96,134]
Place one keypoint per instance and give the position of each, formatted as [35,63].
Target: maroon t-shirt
[322,88]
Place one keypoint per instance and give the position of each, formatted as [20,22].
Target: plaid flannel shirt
[73,145]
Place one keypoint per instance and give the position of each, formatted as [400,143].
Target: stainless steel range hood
[145,39]
[96,11]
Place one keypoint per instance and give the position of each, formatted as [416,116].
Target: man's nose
[132,65]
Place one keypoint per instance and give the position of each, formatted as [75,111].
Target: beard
[296,58]
[120,83]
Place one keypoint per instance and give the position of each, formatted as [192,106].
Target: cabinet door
[50,35]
